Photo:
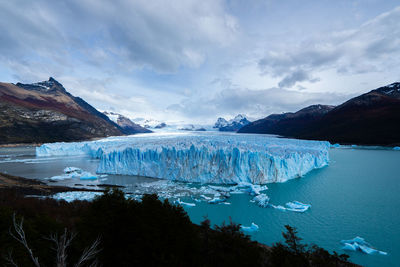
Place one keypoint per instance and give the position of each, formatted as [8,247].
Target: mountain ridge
[372,118]
[47,112]
[232,125]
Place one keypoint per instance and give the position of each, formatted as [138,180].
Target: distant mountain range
[46,112]
[372,119]
[232,125]
[128,126]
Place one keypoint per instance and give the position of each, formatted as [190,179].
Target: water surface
[356,195]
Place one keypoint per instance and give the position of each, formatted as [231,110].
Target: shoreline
[21,145]
[27,186]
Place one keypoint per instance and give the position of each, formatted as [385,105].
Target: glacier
[197,157]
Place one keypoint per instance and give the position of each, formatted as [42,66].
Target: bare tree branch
[9,259]
[89,253]
[20,237]
[61,245]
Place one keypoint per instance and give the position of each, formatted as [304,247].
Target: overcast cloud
[198,60]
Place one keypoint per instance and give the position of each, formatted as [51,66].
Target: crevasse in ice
[205,158]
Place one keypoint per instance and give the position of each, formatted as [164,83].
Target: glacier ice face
[359,244]
[205,158]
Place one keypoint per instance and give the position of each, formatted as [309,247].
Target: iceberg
[74,172]
[295,206]
[359,244]
[252,228]
[76,195]
[204,158]
[396,148]
[185,203]
[262,200]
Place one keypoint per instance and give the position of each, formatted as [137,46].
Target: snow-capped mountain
[371,118]
[232,125]
[150,123]
[125,123]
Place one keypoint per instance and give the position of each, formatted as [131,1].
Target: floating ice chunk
[253,228]
[396,148]
[335,145]
[76,195]
[359,244]
[205,158]
[74,172]
[279,207]
[293,206]
[206,197]
[185,203]
[262,200]
[216,200]
[88,176]
[297,206]
[256,189]
[72,169]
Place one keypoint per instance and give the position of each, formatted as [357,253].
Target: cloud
[254,103]
[372,47]
[296,76]
[118,35]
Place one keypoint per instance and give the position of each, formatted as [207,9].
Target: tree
[293,241]
[61,245]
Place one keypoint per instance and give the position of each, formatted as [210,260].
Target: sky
[193,61]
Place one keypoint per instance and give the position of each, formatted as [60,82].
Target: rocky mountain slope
[128,126]
[232,125]
[372,118]
[288,124]
[46,112]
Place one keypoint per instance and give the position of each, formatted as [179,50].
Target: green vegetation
[116,231]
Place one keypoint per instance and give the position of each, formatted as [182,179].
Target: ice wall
[206,158]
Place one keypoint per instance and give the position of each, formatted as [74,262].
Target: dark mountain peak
[51,79]
[370,118]
[50,86]
[315,109]
[391,90]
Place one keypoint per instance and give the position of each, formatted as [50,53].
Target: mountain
[125,123]
[232,125]
[372,118]
[288,124]
[46,112]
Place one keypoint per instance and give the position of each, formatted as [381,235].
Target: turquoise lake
[356,195]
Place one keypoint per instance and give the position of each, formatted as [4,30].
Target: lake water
[356,195]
